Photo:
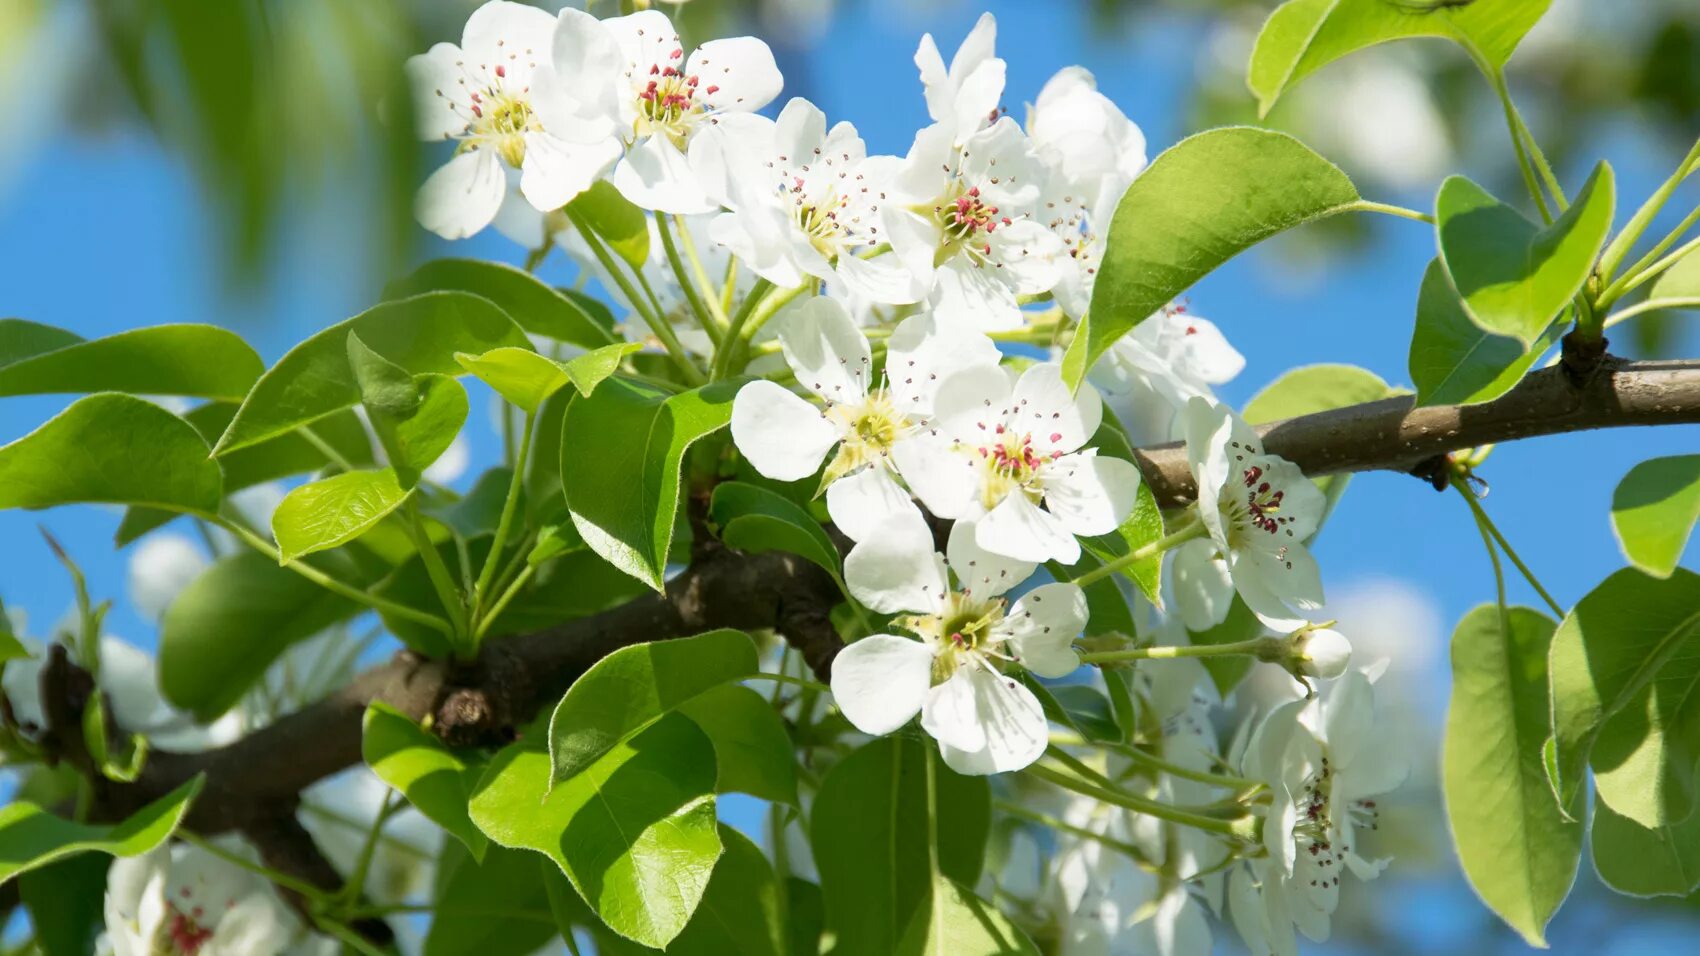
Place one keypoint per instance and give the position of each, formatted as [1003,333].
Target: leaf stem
[1063,826]
[1651,305]
[816,686]
[1190,528]
[356,884]
[441,581]
[1239,827]
[505,522]
[1177,770]
[686,285]
[656,321]
[1364,205]
[705,286]
[723,355]
[1514,123]
[1490,531]
[1639,274]
[502,603]
[1638,223]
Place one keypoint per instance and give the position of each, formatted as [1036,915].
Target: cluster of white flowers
[900,276]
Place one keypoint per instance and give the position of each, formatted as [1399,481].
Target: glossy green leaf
[66,903]
[740,910]
[621,450]
[416,418]
[436,780]
[1654,509]
[756,520]
[1513,275]
[1635,860]
[1517,849]
[637,685]
[201,361]
[384,386]
[334,511]
[635,832]
[1624,665]
[221,633]
[623,226]
[112,449]
[953,921]
[1453,360]
[1302,36]
[752,750]
[314,380]
[1203,201]
[31,837]
[868,829]
[480,510]
[565,316]
[506,906]
[527,379]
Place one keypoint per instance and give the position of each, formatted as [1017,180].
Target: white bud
[1323,653]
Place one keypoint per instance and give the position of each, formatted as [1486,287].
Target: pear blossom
[1258,509]
[1008,455]
[963,219]
[1166,361]
[184,901]
[958,675]
[627,83]
[964,97]
[806,202]
[496,97]
[1322,652]
[786,437]
[1325,761]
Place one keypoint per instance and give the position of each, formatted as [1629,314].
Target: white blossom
[1258,509]
[627,82]
[1166,361]
[184,901]
[496,97]
[1008,456]
[959,676]
[964,96]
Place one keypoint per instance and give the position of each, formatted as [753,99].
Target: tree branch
[1392,434]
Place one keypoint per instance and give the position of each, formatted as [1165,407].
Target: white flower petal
[970,404]
[462,197]
[1020,529]
[1275,586]
[1042,627]
[894,568]
[861,502]
[655,175]
[1006,715]
[440,101]
[556,170]
[882,279]
[945,479]
[880,681]
[980,572]
[782,435]
[1057,420]
[1202,587]
[825,348]
[511,36]
[736,74]
[973,298]
[920,357]
[1091,494]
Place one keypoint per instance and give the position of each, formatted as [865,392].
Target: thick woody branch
[1395,435]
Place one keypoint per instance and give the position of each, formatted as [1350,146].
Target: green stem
[1165,652]
[770,307]
[326,448]
[1191,528]
[505,522]
[723,355]
[284,880]
[1651,305]
[687,285]
[1162,811]
[502,603]
[1364,205]
[1638,223]
[1063,826]
[1487,527]
[1641,275]
[393,909]
[1176,770]
[349,937]
[1540,158]
[441,581]
[334,586]
[815,686]
[368,850]
[1514,124]
[652,317]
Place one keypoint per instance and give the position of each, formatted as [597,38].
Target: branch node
[1436,470]
[1582,356]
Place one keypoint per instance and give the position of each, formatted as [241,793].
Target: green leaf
[574,586]
[1302,36]
[953,921]
[480,510]
[113,449]
[221,633]
[752,751]
[334,511]
[621,450]
[66,903]
[1624,664]
[635,832]
[31,837]
[1654,509]
[740,910]
[869,833]
[1317,388]
[1453,360]
[538,308]
[805,917]
[436,780]
[384,386]
[314,380]
[1635,860]
[527,379]
[1226,672]
[623,226]
[756,520]
[1203,201]
[202,361]
[1076,706]
[1516,847]
[1513,275]
[1680,284]
[637,685]
[417,439]
[491,891]
[1143,526]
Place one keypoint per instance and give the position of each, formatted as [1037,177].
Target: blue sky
[103,234]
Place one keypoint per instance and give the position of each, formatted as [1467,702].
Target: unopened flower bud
[1323,652]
